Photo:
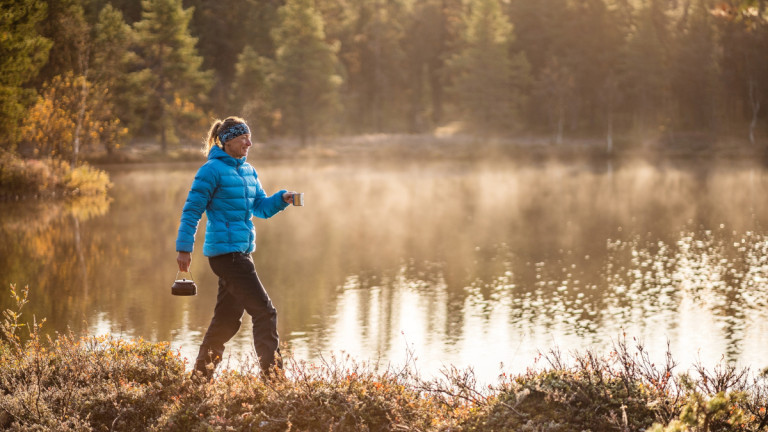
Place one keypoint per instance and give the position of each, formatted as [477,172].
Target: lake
[470,264]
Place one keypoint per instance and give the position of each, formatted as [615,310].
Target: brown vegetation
[100,383]
[47,178]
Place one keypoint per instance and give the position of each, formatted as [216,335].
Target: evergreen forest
[94,75]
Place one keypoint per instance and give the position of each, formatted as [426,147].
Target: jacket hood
[217,153]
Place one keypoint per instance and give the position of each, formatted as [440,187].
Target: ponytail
[213,137]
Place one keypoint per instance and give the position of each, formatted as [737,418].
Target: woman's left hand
[288,196]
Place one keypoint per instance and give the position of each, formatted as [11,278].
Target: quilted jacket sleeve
[198,198]
[266,207]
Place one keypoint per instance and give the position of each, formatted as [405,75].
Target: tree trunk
[377,86]
[83,57]
[609,136]
[755,104]
[609,94]
[560,122]
[79,122]
[415,109]
[163,142]
[163,84]
[436,91]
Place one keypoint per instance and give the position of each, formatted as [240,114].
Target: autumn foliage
[51,123]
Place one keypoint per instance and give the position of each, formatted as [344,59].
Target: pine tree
[554,88]
[131,9]
[214,21]
[250,95]
[757,65]
[487,80]
[171,77]
[305,80]
[110,60]
[374,59]
[65,25]
[428,40]
[646,68]
[593,46]
[745,65]
[541,33]
[23,51]
[112,38]
[540,30]
[694,75]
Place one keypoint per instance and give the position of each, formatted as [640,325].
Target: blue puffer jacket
[230,193]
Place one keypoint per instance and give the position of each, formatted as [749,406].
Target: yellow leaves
[51,121]
[51,124]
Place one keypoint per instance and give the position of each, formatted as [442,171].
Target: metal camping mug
[298,199]
[183,286]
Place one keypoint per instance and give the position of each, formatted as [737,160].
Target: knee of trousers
[266,310]
[266,320]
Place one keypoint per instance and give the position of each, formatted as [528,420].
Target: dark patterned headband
[233,132]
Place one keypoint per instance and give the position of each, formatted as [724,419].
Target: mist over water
[466,264]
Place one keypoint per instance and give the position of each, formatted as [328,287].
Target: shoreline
[108,383]
[394,147]
[408,148]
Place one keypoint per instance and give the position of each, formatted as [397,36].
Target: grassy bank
[107,384]
[48,178]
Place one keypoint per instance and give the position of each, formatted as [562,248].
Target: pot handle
[185,275]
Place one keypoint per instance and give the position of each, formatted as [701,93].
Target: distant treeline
[92,74]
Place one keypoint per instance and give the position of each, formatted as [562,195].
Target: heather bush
[339,395]
[88,383]
[624,391]
[22,178]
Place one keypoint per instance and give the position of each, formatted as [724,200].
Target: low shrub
[88,383]
[87,180]
[344,396]
[42,178]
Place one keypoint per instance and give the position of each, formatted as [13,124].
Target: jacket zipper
[245,191]
[245,198]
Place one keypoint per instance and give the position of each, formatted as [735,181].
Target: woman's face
[238,147]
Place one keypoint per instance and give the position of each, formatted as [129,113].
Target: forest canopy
[79,75]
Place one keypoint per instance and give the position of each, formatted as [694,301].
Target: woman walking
[228,190]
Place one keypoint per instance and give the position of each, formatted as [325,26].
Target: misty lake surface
[470,264]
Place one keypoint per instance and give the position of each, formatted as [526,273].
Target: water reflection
[468,264]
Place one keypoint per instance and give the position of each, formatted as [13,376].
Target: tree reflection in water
[462,263]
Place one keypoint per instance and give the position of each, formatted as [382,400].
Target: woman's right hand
[185,260]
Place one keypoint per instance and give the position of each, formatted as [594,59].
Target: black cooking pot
[183,286]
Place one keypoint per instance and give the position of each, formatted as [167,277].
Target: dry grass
[107,384]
